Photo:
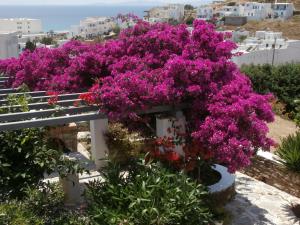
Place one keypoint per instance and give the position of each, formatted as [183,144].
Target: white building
[229,11]
[205,12]
[283,10]
[256,11]
[277,56]
[31,37]
[92,27]
[263,40]
[8,45]
[21,25]
[166,13]
[267,47]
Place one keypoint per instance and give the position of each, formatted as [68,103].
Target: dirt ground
[281,128]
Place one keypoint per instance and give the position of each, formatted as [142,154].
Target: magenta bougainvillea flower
[156,64]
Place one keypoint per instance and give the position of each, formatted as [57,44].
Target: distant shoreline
[59,18]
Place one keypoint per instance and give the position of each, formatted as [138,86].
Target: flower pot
[224,189]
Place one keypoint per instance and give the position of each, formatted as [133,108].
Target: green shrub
[25,156]
[289,152]
[40,206]
[14,213]
[122,143]
[283,81]
[297,113]
[146,194]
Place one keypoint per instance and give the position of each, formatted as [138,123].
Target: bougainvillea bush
[157,64]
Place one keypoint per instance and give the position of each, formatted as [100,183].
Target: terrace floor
[257,203]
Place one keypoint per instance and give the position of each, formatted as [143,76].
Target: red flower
[172,156]
[76,103]
[88,98]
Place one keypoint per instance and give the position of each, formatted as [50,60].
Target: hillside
[289,28]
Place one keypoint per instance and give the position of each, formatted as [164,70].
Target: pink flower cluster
[157,64]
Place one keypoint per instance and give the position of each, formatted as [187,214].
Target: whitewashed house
[92,27]
[283,10]
[263,40]
[229,11]
[8,44]
[31,37]
[21,25]
[166,13]
[205,12]
[267,47]
[256,11]
[287,53]
[95,26]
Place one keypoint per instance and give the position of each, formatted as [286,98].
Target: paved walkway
[257,203]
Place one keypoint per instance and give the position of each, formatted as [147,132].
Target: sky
[99,2]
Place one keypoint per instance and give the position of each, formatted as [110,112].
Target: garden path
[257,203]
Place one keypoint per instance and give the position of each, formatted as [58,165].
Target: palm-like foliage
[289,152]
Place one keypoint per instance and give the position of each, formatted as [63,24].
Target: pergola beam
[45,113]
[50,121]
[44,105]
[5,92]
[45,98]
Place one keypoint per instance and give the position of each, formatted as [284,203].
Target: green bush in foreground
[42,206]
[289,152]
[25,155]
[147,194]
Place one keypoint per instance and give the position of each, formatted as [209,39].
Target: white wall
[289,55]
[8,45]
[21,25]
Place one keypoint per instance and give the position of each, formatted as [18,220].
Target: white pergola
[42,114]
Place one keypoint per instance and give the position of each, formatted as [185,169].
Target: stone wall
[275,174]
[235,20]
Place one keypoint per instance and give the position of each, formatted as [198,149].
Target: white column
[72,191]
[99,148]
[71,186]
[164,123]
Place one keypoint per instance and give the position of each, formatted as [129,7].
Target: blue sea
[60,18]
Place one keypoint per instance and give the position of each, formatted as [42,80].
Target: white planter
[227,180]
